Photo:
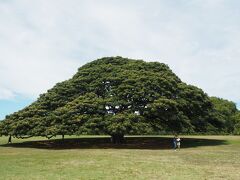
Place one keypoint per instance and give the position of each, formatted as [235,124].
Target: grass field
[142,157]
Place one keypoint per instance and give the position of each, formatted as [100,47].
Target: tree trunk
[62,136]
[10,139]
[117,138]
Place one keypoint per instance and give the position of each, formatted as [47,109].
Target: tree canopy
[117,96]
[226,114]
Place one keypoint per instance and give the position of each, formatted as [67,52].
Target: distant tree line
[226,113]
[119,96]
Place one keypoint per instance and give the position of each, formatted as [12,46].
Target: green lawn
[87,157]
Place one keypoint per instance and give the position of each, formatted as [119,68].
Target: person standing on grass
[178,142]
[174,142]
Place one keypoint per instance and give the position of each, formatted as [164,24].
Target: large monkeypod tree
[114,96]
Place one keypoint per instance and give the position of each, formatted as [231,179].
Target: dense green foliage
[227,115]
[118,96]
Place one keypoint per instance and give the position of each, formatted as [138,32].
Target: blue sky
[9,106]
[44,42]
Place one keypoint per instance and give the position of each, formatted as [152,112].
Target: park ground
[141,157]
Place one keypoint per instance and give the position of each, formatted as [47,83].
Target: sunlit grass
[201,158]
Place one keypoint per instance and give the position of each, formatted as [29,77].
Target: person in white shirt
[178,142]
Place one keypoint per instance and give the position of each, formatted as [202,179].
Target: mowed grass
[141,157]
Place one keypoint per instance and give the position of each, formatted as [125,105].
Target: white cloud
[43,42]
[6,94]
